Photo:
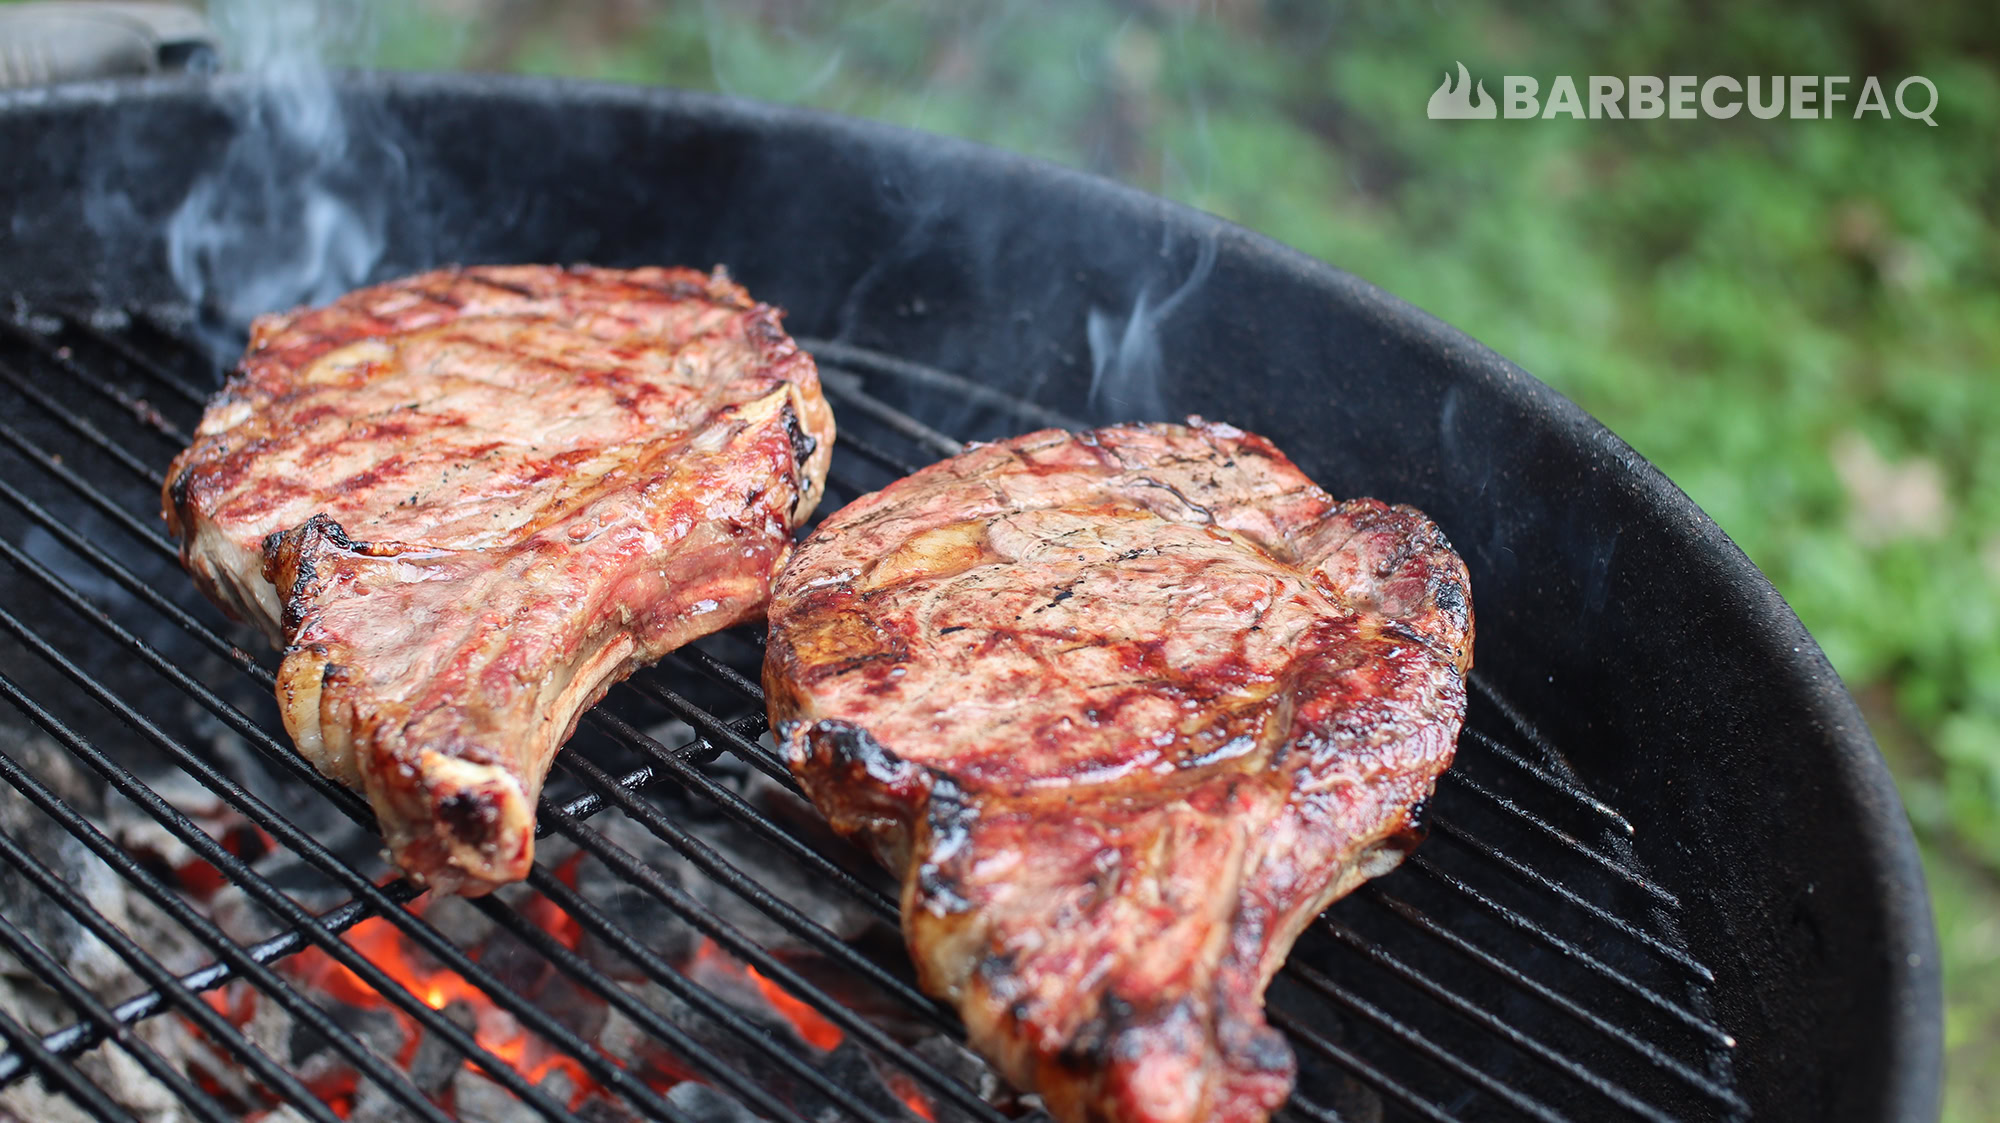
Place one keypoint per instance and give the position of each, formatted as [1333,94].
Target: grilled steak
[1126,709]
[470,501]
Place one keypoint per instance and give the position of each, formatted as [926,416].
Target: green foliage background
[1798,320]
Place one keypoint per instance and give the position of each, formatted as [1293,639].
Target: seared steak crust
[470,501]
[1127,709]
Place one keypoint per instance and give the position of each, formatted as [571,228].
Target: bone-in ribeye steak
[1126,709]
[470,501]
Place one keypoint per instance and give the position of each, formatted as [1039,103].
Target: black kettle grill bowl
[1627,628]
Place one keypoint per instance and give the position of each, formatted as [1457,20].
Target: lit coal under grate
[195,920]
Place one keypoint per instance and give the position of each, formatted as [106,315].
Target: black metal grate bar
[1619,869]
[133,584]
[1489,1022]
[743,885]
[851,359]
[1419,1043]
[170,903]
[732,940]
[871,453]
[268,895]
[1550,875]
[1553,782]
[732,805]
[30,955]
[82,428]
[138,407]
[845,388]
[1621,979]
[151,535]
[1597,912]
[72,1082]
[1417,919]
[123,352]
[1358,1065]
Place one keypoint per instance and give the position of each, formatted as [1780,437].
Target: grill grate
[1522,965]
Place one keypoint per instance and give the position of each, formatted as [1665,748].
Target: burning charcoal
[372,1104]
[597,1109]
[699,1101]
[783,877]
[108,1067]
[457,920]
[631,906]
[436,1063]
[478,1099]
[528,973]
[380,1028]
[25,906]
[277,788]
[37,915]
[889,1092]
[951,1056]
[29,1102]
[658,1066]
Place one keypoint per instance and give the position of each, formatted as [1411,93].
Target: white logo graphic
[1462,104]
[1642,97]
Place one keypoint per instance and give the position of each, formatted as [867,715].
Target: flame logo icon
[1462,104]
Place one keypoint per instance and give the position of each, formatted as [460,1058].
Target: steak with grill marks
[470,501]
[1126,709]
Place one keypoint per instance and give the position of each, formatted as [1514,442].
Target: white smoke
[296,210]
[1127,368]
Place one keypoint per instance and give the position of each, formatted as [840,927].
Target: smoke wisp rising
[1127,368]
[296,210]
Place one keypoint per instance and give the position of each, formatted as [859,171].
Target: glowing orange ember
[497,1031]
[906,1091]
[818,1032]
[919,1106]
[810,1023]
[379,941]
[337,1090]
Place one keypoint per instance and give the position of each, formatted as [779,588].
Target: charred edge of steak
[291,550]
[1089,1049]
[849,746]
[1449,595]
[884,788]
[177,499]
[949,817]
[804,444]
[1417,822]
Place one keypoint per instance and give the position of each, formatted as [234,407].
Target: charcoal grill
[1668,879]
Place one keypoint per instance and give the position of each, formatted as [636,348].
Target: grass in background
[1798,320]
